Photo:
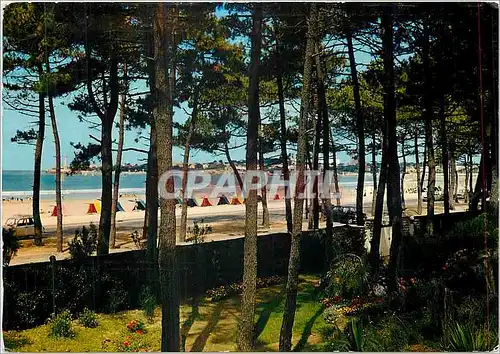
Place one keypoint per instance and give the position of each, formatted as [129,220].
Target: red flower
[126,343]
[140,331]
[444,267]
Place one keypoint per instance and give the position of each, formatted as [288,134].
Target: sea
[19,184]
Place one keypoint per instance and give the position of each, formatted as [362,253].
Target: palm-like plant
[355,340]
[464,338]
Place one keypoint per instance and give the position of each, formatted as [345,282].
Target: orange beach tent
[236,201]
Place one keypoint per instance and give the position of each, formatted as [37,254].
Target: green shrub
[28,306]
[354,338]
[61,326]
[394,334]
[471,310]
[347,277]
[84,243]
[348,240]
[88,318]
[148,303]
[117,299]
[10,245]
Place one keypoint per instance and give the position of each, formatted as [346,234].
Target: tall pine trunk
[403,174]
[151,214]
[445,157]
[392,154]
[323,113]
[265,210]
[57,143]
[283,138]
[379,205]
[185,167]
[118,167]
[164,30]
[431,162]
[107,186]
[424,164]
[106,116]
[233,167]
[152,199]
[453,179]
[37,171]
[246,328]
[314,224]
[334,167]
[285,343]
[360,132]
[417,166]
[374,173]
[471,172]
[466,182]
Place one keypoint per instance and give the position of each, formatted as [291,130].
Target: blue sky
[20,157]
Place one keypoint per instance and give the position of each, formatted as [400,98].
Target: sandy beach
[227,221]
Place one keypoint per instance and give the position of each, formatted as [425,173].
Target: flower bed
[225,291]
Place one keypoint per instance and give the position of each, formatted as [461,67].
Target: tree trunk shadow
[307,330]
[188,323]
[201,340]
[266,313]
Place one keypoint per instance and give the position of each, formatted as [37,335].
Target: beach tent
[223,200]
[95,207]
[97,204]
[192,202]
[92,209]
[140,205]
[205,202]
[54,211]
[236,201]
[276,197]
[119,207]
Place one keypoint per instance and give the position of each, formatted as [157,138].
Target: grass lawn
[206,327]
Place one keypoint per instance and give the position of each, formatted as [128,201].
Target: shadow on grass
[307,330]
[269,308]
[188,323]
[201,340]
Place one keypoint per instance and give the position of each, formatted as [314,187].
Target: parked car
[344,214]
[437,198]
[23,225]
